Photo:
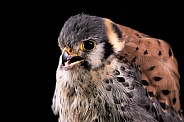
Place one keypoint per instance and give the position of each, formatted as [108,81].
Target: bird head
[84,43]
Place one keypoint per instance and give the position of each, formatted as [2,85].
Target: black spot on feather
[138,35]
[136,48]
[174,100]
[156,78]
[145,52]
[159,53]
[151,68]
[151,94]
[163,105]
[145,82]
[134,59]
[121,79]
[165,92]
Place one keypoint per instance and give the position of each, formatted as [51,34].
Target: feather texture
[157,63]
[127,76]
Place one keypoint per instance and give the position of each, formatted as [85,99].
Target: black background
[34,29]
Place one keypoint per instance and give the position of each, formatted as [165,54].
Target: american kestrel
[108,72]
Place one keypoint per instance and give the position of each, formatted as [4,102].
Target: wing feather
[156,60]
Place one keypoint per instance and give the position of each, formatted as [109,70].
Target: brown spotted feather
[157,63]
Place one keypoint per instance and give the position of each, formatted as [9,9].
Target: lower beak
[70,59]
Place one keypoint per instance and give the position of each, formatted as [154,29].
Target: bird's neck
[103,93]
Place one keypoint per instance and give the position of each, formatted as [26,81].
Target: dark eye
[88,45]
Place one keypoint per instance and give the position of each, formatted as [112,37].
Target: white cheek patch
[95,57]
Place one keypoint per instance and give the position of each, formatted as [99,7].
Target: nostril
[69,50]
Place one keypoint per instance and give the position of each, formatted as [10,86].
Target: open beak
[70,59]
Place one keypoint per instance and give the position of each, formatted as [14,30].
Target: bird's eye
[88,45]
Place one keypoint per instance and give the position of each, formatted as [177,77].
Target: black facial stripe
[108,49]
[116,30]
[86,65]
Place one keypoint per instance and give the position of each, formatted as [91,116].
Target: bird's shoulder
[155,59]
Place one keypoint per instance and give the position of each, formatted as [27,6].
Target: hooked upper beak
[69,58]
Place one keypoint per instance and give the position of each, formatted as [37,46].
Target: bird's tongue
[71,63]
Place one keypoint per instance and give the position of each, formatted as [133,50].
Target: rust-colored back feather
[157,63]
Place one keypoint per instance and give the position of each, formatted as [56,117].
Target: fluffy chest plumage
[105,94]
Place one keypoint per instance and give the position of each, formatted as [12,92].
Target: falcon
[108,72]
